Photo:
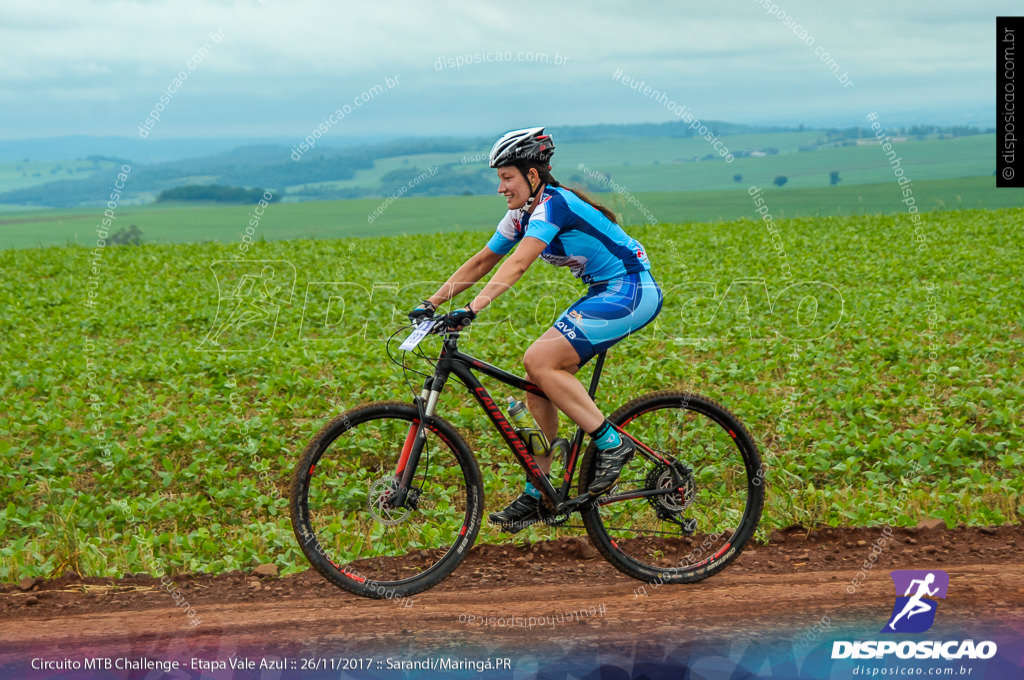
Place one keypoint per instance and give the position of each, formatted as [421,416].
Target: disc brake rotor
[679,477]
[379,500]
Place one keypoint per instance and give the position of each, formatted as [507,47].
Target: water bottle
[535,440]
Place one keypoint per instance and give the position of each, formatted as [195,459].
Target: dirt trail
[777,590]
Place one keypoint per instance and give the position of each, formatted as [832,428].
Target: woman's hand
[460,318]
[424,311]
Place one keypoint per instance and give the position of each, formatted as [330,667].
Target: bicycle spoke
[344,512]
[707,507]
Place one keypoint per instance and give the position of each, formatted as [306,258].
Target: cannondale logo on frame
[917,592]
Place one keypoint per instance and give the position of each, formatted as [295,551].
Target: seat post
[597,374]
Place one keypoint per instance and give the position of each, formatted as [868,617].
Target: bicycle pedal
[555,520]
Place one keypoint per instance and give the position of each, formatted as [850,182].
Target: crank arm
[578,504]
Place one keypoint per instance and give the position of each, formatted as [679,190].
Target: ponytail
[544,172]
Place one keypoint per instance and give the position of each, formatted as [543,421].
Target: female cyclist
[564,228]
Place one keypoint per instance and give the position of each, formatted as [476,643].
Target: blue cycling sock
[531,490]
[606,436]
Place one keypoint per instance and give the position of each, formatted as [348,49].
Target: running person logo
[916,593]
[914,612]
[250,295]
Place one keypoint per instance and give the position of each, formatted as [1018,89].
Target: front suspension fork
[416,439]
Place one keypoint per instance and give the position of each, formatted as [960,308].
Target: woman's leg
[543,411]
[551,363]
[608,313]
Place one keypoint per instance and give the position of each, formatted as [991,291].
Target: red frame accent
[506,429]
[639,443]
[407,447]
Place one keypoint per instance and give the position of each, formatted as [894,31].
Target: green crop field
[165,223]
[921,160]
[881,381]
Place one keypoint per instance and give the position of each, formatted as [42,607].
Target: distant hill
[396,167]
[151,150]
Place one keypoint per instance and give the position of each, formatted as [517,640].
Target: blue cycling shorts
[610,311]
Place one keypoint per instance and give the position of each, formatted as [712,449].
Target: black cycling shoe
[609,464]
[521,513]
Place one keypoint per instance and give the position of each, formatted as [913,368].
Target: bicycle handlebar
[439,324]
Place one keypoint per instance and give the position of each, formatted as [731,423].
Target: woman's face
[514,187]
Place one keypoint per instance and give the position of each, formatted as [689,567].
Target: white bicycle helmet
[522,146]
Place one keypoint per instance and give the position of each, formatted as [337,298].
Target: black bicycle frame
[454,362]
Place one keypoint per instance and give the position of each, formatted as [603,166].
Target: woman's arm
[529,249]
[471,271]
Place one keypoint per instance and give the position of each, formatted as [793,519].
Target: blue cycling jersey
[578,236]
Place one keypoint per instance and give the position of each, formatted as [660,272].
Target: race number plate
[417,335]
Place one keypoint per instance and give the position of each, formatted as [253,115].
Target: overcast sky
[281,68]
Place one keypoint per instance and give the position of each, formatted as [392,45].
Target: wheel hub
[381,498]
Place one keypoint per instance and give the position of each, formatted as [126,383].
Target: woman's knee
[534,362]
[539,360]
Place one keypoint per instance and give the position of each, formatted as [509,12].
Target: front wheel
[688,501]
[342,509]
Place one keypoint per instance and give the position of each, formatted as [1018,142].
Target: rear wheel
[342,512]
[707,463]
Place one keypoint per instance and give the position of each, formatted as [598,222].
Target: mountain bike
[387,498]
